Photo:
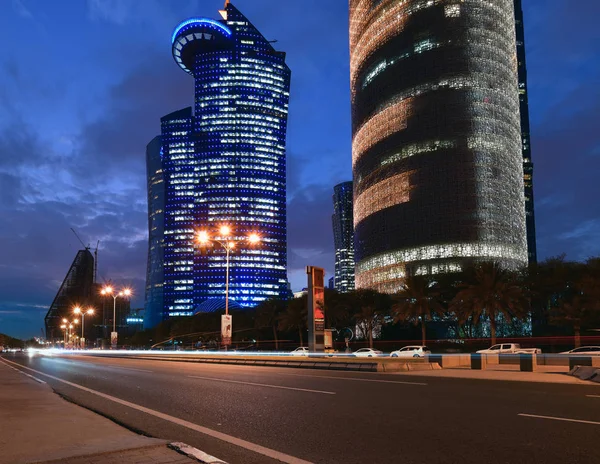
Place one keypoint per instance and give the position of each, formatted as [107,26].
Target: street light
[64,327]
[227,242]
[108,290]
[77,310]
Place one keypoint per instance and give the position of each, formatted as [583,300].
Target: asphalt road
[243,414]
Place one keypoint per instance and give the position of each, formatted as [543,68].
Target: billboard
[226,329]
[316,308]
[113,340]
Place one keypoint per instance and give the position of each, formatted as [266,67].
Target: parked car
[584,351]
[416,351]
[509,348]
[300,351]
[367,353]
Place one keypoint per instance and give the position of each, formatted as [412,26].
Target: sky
[83,84]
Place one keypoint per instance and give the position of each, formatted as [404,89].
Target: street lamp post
[126,292]
[77,310]
[64,327]
[68,326]
[227,242]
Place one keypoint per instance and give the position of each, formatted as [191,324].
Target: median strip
[563,419]
[262,385]
[286,458]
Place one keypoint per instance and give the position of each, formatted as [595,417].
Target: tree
[578,306]
[294,317]
[337,309]
[490,292]
[416,302]
[267,315]
[368,308]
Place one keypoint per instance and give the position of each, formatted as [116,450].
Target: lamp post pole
[123,293]
[227,249]
[228,244]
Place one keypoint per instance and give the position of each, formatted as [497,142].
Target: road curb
[194,453]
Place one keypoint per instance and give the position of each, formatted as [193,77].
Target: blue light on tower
[225,164]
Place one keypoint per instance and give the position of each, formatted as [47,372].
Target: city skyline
[103,197]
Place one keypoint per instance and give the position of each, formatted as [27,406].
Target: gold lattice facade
[437,163]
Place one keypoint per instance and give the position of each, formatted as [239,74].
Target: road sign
[226,329]
[113,340]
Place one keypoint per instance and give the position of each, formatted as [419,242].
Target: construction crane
[95,254]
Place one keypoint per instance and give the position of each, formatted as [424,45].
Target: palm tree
[578,307]
[492,292]
[416,302]
[368,308]
[294,317]
[267,315]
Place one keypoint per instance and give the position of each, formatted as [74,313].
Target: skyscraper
[154,302]
[77,289]
[343,237]
[225,164]
[525,133]
[437,162]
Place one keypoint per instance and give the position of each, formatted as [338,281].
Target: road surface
[247,414]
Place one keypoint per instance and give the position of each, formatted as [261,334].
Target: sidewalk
[507,372]
[38,426]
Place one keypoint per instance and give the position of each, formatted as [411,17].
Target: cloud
[20,8]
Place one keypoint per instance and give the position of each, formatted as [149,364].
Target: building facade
[154,302]
[77,289]
[437,153]
[525,134]
[343,237]
[225,164]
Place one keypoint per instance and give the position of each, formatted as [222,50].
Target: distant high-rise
[525,133]
[437,157]
[154,305]
[343,236]
[225,163]
[77,289]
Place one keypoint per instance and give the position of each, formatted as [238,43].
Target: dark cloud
[567,166]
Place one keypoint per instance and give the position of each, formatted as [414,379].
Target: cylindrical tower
[436,155]
[239,136]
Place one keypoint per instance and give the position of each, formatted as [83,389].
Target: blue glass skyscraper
[343,237]
[153,304]
[225,164]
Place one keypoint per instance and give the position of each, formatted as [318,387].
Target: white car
[300,351]
[367,353]
[509,348]
[584,350]
[411,352]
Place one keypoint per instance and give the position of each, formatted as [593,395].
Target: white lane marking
[286,458]
[593,396]
[262,385]
[24,373]
[356,379]
[564,419]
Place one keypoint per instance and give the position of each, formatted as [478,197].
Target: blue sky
[83,85]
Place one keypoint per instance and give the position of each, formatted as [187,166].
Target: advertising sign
[316,308]
[226,329]
[113,340]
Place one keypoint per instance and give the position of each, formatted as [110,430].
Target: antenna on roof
[96,262]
